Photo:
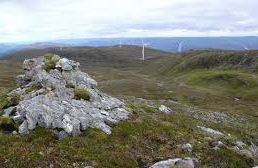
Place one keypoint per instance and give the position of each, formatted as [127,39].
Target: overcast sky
[41,20]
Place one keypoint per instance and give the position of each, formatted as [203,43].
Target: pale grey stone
[61,135]
[187,147]
[211,132]
[185,163]
[164,109]
[166,163]
[178,162]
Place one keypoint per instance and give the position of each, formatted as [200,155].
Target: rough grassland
[149,136]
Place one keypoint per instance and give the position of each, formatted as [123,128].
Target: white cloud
[39,20]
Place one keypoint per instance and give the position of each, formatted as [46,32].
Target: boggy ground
[213,89]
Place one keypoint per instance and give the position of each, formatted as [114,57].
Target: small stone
[240,144]
[14,132]
[178,162]
[60,135]
[211,132]
[166,163]
[185,163]
[187,147]
[217,143]
[164,109]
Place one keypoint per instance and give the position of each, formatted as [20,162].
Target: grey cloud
[39,19]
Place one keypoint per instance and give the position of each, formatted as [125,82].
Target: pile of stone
[54,93]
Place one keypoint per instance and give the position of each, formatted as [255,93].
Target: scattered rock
[14,132]
[164,109]
[86,164]
[244,150]
[217,144]
[165,164]
[240,144]
[178,162]
[187,147]
[53,104]
[211,132]
[216,117]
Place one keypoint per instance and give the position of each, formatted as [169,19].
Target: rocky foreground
[54,93]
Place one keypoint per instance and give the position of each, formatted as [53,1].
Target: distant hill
[171,44]
[174,44]
[112,56]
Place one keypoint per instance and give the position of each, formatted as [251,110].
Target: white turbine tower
[180,46]
[120,44]
[245,47]
[143,50]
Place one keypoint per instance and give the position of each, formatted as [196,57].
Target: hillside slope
[205,89]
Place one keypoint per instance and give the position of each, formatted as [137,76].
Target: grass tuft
[82,93]
[34,87]
[49,62]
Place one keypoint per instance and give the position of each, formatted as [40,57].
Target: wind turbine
[143,50]
[120,44]
[180,46]
[245,47]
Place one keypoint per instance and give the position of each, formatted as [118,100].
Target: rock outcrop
[54,93]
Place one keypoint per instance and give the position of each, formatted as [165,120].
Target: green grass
[13,100]
[48,56]
[191,80]
[3,100]
[81,93]
[49,62]
[34,87]
[140,138]
[7,124]
[231,82]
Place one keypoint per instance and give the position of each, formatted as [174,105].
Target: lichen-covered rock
[177,162]
[53,104]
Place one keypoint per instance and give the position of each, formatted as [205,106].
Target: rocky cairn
[54,93]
